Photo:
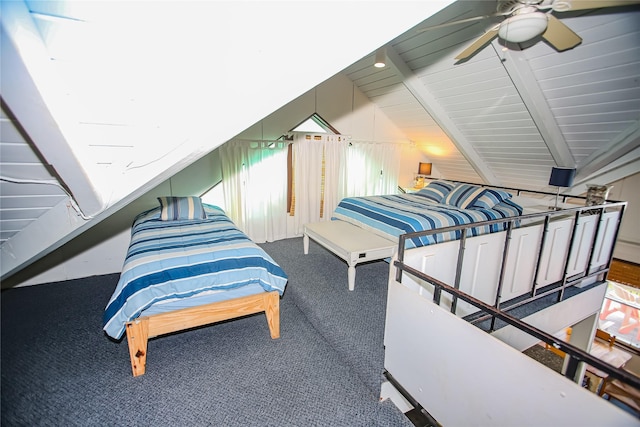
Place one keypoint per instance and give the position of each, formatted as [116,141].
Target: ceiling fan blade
[559,35]
[459,21]
[597,4]
[479,44]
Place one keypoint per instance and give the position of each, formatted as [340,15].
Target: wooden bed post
[271,301]
[137,337]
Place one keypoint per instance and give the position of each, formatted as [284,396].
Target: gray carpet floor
[546,357]
[58,367]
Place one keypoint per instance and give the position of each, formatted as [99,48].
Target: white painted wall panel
[438,371]
[554,253]
[481,269]
[521,264]
[603,244]
[583,239]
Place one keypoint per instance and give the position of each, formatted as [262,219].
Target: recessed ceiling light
[380,58]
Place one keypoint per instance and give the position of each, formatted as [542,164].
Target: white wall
[628,245]
[347,109]
[480,380]
[102,249]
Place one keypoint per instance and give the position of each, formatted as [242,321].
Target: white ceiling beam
[24,60]
[433,107]
[50,231]
[622,167]
[626,142]
[524,81]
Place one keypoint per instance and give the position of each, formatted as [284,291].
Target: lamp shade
[424,169]
[562,177]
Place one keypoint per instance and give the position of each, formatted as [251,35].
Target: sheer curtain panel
[319,177]
[255,187]
[326,168]
[373,168]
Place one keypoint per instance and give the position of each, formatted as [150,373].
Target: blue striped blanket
[393,215]
[183,259]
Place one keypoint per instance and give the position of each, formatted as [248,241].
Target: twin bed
[188,265]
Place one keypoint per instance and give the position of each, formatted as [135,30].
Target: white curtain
[326,168]
[319,177]
[373,168]
[255,187]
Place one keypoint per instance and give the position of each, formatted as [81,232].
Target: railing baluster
[503,266]
[461,248]
[543,238]
[572,239]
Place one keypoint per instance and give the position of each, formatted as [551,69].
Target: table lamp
[561,177]
[423,169]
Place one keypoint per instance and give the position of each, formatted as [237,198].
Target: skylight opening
[315,124]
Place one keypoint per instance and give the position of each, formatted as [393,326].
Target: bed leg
[137,337]
[272,310]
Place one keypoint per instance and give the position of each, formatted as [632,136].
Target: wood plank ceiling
[507,116]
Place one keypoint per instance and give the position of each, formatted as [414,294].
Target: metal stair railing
[576,354]
[496,311]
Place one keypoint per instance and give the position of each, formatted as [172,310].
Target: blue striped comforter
[181,259]
[393,215]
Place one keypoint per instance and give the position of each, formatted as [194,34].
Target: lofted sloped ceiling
[506,116]
[143,96]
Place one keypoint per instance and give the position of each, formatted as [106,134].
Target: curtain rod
[257,140]
[346,139]
[380,142]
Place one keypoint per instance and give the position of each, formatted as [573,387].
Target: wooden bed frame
[141,329]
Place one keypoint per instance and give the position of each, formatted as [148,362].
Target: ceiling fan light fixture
[523,27]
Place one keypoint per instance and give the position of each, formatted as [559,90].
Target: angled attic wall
[348,110]
[23,65]
[101,249]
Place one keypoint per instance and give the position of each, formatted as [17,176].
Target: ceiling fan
[527,19]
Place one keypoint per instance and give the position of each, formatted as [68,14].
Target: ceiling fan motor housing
[523,26]
[527,20]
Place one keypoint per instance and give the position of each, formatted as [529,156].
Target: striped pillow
[490,198]
[436,191]
[464,195]
[177,208]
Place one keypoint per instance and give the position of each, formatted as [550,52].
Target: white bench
[349,242]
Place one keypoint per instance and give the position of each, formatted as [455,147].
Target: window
[620,314]
[315,124]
